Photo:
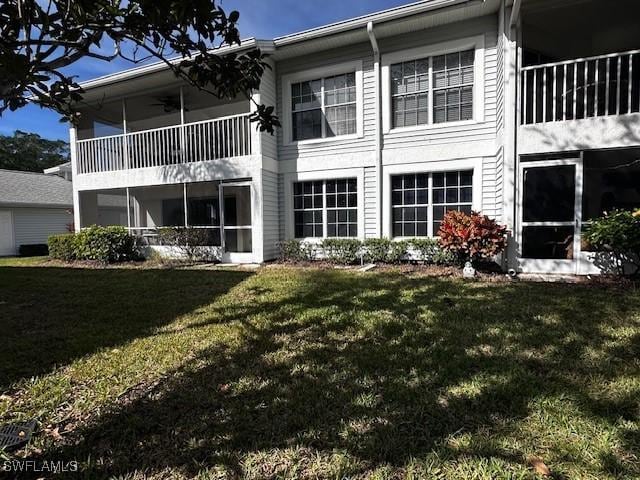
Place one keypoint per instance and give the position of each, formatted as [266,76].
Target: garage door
[7,246]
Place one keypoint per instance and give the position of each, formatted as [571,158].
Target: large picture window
[432,90]
[420,200]
[324,107]
[326,208]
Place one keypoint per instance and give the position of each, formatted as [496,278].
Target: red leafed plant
[472,237]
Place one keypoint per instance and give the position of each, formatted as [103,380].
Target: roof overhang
[395,21]
[157,67]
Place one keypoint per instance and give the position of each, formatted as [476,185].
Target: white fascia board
[361,22]
[265,45]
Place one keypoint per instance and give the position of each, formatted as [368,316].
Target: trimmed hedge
[347,251]
[344,251]
[101,244]
[62,247]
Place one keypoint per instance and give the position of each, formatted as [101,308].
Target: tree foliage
[40,40]
[30,152]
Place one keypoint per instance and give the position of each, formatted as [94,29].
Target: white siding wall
[370,203]
[270,214]
[477,140]
[268,97]
[34,225]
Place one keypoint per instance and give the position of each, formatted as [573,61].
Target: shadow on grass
[51,316]
[384,369]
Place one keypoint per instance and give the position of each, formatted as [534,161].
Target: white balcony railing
[192,142]
[581,88]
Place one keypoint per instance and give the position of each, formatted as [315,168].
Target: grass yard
[301,373]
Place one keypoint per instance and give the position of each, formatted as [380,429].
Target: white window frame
[475,43]
[315,74]
[343,173]
[473,164]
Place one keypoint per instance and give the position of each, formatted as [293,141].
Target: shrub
[617,232]
[188,240]
[342,250]
[397,251]
[33,250]
[425,249]
[62,247]
[105,244]
[376,250]
[472,237]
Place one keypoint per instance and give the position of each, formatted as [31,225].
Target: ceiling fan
[169,103]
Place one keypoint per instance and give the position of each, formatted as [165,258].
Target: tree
[30,152]
[40,40]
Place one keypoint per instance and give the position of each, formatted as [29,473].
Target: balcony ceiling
[566,29]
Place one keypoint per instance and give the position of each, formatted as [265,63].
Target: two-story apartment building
[525,110]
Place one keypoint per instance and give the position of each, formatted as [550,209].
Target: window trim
[315,74]
[321,176]
[473,164]
[476,43]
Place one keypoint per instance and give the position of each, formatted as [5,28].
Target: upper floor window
[324,107]
[434,85]
[451,79]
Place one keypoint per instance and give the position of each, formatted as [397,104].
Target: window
[421,199]
[447,78]
[451,191]
[330,206]
[342,208]
[410,200]
[453,87]
[324,107]
[308,207]
[410,93]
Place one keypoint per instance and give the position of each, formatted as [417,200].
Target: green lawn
[303,373]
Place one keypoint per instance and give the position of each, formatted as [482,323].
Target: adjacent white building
[525,110]
[32,207]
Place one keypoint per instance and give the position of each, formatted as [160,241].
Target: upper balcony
[214,139]
[579,76]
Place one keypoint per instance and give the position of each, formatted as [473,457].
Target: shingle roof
[30,188]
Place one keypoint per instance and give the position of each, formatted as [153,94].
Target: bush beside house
[465,237]
[101,244]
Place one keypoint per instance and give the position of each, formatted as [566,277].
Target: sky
[263,19]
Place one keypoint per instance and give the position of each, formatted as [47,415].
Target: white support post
[183,142]
[186,208]
[125,147]
[74,172]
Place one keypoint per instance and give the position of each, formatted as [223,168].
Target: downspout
[377,76]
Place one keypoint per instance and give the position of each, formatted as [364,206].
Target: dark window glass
[547,242]
[549,194]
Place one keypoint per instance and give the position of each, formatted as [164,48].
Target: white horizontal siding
[370,203]
[491,203]
[34,225]
[270,214]
[268,97]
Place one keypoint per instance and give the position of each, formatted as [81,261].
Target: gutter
[378,17]
[515,12]
[378,110]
